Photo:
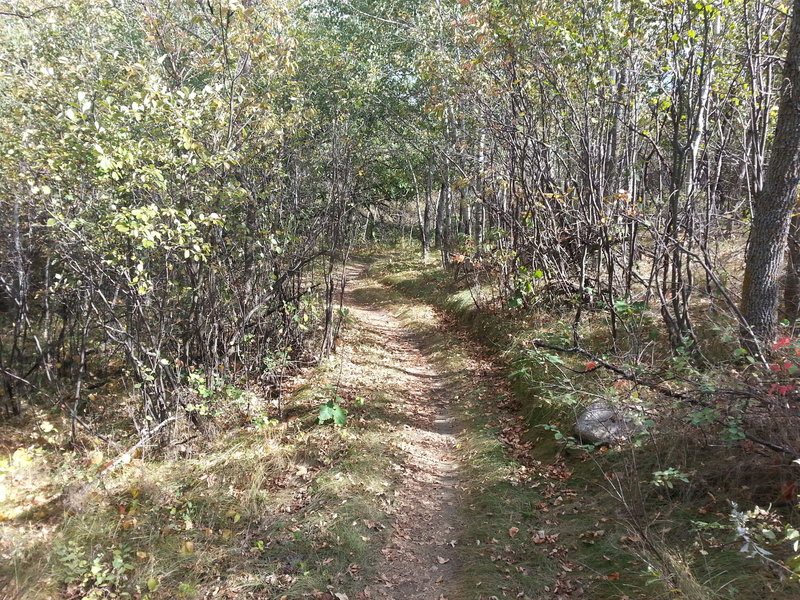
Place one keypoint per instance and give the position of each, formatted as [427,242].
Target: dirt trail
[419,561]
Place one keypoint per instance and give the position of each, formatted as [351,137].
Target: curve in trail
[419,561]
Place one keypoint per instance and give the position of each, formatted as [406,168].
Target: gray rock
[602,423]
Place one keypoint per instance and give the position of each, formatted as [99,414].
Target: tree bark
[791,292]
[772,208]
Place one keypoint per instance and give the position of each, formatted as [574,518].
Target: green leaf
[326,412]
[331,411]
[339,415]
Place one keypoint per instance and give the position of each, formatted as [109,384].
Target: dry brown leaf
[630,539]
[373,525]
[513,531]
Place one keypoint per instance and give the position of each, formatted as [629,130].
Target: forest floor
[442,484]
[526,515]
[475,513]
[428,491]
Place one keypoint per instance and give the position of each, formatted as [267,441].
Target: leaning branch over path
[627,375]
[661,389]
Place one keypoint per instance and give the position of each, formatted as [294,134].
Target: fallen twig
[126,456]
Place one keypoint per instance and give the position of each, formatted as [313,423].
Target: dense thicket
[179,181]
[610,150]
[181,178]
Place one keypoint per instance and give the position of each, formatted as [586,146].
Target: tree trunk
[772,208]
[791,292]
[440,210]
[426,221]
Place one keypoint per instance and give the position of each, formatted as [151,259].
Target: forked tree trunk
[772,208]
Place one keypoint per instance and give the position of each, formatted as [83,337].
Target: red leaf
[781,342]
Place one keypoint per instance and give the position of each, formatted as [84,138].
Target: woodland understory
[597,197]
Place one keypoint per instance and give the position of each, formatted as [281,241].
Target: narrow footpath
[472,513]
[419,560]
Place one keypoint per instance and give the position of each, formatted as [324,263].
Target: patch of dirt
[419,561]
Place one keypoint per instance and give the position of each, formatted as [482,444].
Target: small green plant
[567,441]
[264,421]
[99,577]
[204,405]
[668,477]
[344,315]
[684,361]
[734,429]
[624,307]
[525,286]
[557,435]
[199,385]
[331,411]
[277,360]
[187,590]
[187,512]
[704,416]
[760,529]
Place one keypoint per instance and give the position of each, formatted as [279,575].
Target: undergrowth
[295,507]
[663,502]
[530,524]
[267,509]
